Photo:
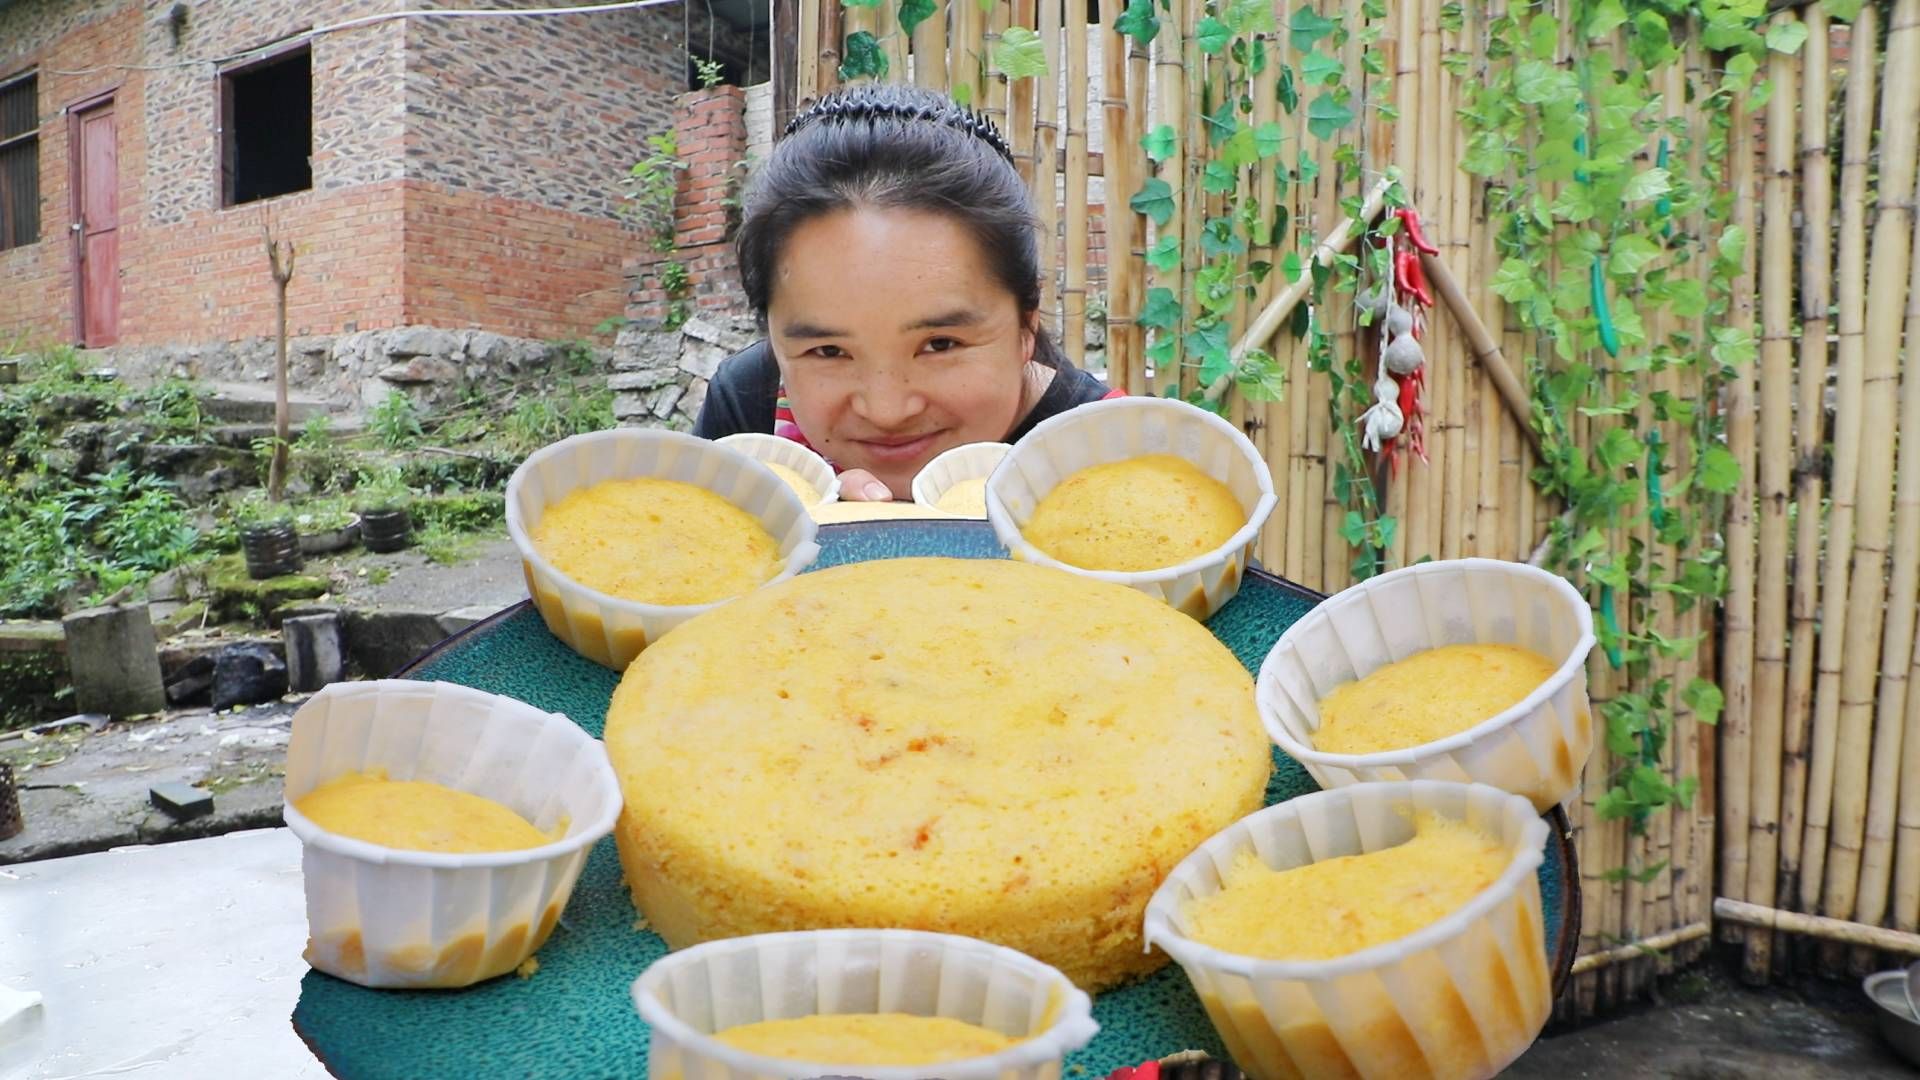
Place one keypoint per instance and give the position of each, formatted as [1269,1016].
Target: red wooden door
[96,170]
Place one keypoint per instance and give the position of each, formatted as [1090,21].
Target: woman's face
[895,341]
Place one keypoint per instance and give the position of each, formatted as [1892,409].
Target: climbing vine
[1612,216]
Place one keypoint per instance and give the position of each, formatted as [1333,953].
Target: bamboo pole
[1046,174]
[1192,193]
[997,88]
[1275,430]
[830,24]
[1869,752]
[964,53]
[1737,640]
[1776,458]
[1138,81]
[1906,546]
[1440,484]
[1698,750]
[1170,94]
[1829,929]
[1019,123]
[854,20]
[893,43]
[1903,596]
[806,61]
[1656,945]
[1816,296]
[1118,184]
[930,49]
[1462,424]
[1073,293]
[1486,350]
[1851,316]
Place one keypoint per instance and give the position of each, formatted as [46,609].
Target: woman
[888,248]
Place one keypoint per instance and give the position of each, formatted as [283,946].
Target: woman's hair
[895,147]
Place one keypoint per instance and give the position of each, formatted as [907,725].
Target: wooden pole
[1117,183]
[1851,316]
[785,16]
[282,270]
[830,25]
[1816,296]
[1776,466]
[1736,724]
[1902,598]
[930,48]
[1073,295]
[1870,737]
[806,57]
[1046,171]
[1486,350]
[1639,950]
[1836,930]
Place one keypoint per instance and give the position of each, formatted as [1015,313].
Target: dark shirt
[741,395]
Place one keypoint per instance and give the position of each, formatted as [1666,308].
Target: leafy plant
[382,489]
[650,186]
[711,72]
[1630,238]
[68,542]
[395,421]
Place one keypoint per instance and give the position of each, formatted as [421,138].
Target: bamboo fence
[1809,809]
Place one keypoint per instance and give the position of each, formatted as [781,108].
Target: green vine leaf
[1651,41]
[1288,94]
[1239,151]
[1159,143]
[1733,346]
[1320,69]
[1267,139]
[1208,341]
[1164,255]
[1218,179]
[1606,17]
[1309,26]
[1718,471]
[1543,36]
[1019,54]
[1219,239]
[1556,160]
[1844,10]
[1164,351]
[1162,310]
[1211,35]
[1260,377]
[1649,184]
[1537,82]
[1290,266]
[962,93]
[1787,37]
[1138,21]
[1154,199]
[1221,123]
[1327,115]
[1618,448]
[1251,17]
[1514,281]
[1630,255]
[915,12]
[1705,699]
[862,57]
[860,3]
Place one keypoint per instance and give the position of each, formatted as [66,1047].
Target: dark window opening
[19,162]
[267,129]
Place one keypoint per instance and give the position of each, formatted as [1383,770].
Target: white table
[176,960]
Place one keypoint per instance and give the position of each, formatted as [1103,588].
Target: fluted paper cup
[850,510]
[607,629]
[389,918]
[1536,748]
[1458,999]
[1108,431]
[775,450]
[974,461]
[688,996]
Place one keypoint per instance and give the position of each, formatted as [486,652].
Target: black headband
[862,103]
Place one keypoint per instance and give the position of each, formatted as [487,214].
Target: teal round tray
[575,1018]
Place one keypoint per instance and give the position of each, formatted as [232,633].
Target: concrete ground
[488,577]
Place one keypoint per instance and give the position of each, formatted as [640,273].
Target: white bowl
[1108,431]
[1462,997]
[689,995]
[1536,748]
[385,917]
[606,629]
[812,468]
[974,461]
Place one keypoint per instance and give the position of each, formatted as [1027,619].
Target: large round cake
[978,747]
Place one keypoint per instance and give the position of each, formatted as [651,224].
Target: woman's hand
[859,485]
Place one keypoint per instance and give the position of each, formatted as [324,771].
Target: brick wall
[711,130]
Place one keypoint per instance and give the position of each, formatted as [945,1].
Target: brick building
[452,173]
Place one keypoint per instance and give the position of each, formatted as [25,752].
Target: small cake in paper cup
[880,977]
[1119,430]
[807,473]
[612,630]
[955,481]
[1536,747]
[389,917]
[1459,997]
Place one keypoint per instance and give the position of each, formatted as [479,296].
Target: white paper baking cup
[1460,998]
[607,629]
[384,917]
[1537,748]
[974,461]
[812,468]
[1123,428]
[851,510]
[688,996]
